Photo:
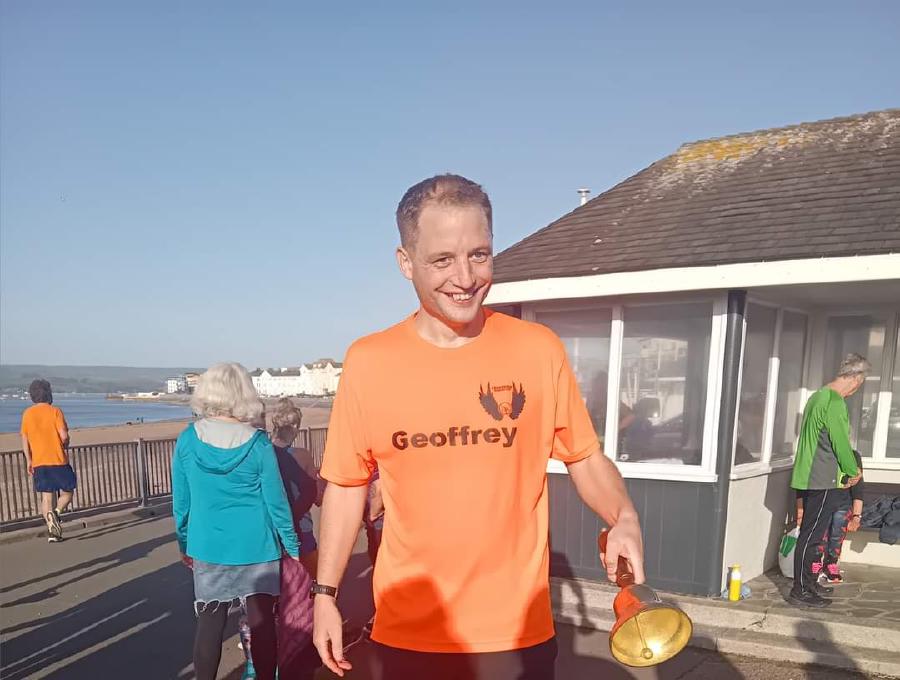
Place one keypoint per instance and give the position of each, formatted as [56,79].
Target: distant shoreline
[160,429]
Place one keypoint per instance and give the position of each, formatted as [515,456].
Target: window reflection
[758,346]
[863,334]
[893,438]
[665,359]
[585,333]
[788,409]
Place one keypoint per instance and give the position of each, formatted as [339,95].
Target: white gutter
[743,275]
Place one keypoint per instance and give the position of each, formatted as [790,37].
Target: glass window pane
[788,409]
[893,438]
[758,346]
[662,388]
[863,334]
[585,334]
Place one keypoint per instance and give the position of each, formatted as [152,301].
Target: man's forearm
[601,487]
[342,510]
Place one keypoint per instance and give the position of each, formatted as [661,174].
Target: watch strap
[319,589]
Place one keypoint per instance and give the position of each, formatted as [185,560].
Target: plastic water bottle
[244,633]
[734,583]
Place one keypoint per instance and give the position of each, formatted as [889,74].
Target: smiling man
[460,408]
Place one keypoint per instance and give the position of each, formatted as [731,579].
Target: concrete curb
[81,520]
[768,635]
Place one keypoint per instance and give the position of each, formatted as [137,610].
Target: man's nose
[465,277]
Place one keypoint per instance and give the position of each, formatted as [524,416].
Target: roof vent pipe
[584,193]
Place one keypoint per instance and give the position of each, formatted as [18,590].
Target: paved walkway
[868,593]
[114,601]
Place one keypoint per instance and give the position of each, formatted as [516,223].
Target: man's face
[858,381]
[450,263]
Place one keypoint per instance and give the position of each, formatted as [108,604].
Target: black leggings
[211,621]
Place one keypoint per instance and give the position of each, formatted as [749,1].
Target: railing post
[143,483]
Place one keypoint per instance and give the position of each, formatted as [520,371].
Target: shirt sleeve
[25,419]
[837,422]
[61,420]
[574,436]
[348,458]
[181,499]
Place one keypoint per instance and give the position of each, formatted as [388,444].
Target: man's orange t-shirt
[461,438]
[41,423]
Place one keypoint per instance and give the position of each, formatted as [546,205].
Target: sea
[92,410]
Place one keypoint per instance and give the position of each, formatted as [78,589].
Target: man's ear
[404,261]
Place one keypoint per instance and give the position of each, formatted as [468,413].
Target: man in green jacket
[824,463]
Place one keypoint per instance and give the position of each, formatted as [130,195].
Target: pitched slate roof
[824,189]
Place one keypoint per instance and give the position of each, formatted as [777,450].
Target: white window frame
[706,471]
[765,464]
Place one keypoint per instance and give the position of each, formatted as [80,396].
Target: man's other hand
[328,634]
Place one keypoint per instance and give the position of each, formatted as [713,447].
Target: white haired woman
[232,518]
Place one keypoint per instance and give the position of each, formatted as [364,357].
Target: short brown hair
[40,391]
[445,189]
[286,414]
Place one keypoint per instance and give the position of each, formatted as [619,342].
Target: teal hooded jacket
[229,504]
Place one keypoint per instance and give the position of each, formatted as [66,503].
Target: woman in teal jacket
[232,518]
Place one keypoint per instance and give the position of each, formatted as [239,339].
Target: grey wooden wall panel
[676,518]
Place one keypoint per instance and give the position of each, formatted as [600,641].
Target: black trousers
[530,663]
[818,507]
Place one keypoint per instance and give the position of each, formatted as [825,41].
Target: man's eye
[443,262]
[480,256]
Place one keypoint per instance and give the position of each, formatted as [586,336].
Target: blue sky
[184,183]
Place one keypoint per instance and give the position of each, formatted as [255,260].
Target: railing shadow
[123,556]
[140,629]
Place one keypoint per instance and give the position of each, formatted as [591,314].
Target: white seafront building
[319,378]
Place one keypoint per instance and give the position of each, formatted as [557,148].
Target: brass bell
[647,631]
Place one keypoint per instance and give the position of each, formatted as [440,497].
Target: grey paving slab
[114,601]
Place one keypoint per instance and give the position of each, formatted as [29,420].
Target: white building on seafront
[319,378]
[176,385]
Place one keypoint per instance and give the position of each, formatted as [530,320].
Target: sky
[186,183]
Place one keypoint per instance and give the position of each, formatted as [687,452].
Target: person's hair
[226,390]
[853,365]
[448,190]
[40,391]
[285,415]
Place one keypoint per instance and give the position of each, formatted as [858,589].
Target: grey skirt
[225,583]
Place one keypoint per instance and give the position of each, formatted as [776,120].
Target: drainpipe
[734,340]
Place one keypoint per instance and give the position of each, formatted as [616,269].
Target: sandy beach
[10,441]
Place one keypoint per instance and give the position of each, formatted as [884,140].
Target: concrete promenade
[113,601]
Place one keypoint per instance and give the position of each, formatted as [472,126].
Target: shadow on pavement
[113,528]
[142,629]
[825,648]
[103,564]
[584,650]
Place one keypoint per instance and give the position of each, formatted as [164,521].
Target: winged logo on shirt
[512,408]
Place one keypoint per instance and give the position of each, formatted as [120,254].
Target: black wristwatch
[319,589]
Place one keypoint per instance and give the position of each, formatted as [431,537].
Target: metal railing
[111,474]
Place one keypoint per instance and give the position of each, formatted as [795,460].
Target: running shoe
[54,527]
[833,573]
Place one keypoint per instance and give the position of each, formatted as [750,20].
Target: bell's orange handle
[624,575]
